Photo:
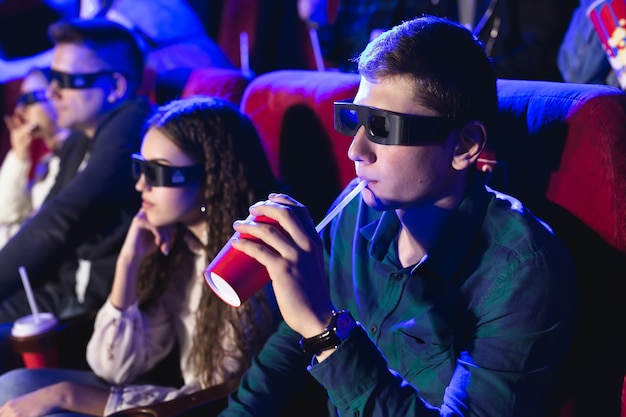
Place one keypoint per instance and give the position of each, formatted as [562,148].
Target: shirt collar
[456,238]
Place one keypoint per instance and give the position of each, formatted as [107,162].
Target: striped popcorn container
[609,20]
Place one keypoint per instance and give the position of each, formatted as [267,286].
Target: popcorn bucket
[609,20]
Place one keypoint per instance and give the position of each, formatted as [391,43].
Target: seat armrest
[208,402]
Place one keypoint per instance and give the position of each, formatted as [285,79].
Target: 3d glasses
[77,81]
[390,128]
[37,96]
[157,175]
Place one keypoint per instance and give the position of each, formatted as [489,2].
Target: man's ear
[472,140]
[120,87]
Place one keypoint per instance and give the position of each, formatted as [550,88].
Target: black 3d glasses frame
[36,96]
[78,81]
[157,175]
[390,128]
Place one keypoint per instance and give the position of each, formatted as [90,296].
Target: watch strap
[332,337]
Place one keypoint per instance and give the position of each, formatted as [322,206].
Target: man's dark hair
[453,74]
[112,42]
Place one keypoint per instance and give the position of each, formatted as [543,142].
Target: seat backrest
[560,148]
[566,143]
[227,83]
[293,112]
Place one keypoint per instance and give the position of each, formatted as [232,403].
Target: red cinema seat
[293,112]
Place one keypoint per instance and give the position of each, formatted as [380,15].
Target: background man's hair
[112,42]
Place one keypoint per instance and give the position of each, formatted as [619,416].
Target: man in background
[70,246]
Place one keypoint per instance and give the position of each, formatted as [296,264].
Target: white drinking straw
[244,53]
[29,293]
[317,51]
[340,206]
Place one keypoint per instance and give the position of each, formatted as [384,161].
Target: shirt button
[396,276]
[373,328]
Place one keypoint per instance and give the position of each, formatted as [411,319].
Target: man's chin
[65,124]
[372,201]
[378,204]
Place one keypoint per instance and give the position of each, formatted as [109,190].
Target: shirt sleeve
[14,190]
[581,57]
[127,343]
[358,380]
[277,380]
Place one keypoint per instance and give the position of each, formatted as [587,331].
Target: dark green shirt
[478,328]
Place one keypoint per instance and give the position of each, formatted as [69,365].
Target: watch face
[341,324]
[344,324]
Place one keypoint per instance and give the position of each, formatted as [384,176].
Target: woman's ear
[472,140]
[119,88]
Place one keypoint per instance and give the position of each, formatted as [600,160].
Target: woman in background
[25,176]
[201,166]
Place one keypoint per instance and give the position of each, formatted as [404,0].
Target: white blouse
[127,343]
[18,197]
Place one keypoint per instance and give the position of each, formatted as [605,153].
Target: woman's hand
[142,238]
[293,255]
[60,396]
[21,135]
[38,403]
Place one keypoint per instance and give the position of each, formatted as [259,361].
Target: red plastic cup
[234,276]
[609,21]
[35,341]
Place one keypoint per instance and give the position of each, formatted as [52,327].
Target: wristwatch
[341,325]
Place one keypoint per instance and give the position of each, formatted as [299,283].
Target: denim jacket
[581,57]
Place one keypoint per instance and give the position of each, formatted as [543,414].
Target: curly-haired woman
[201,166]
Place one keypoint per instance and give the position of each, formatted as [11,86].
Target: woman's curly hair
[226,143]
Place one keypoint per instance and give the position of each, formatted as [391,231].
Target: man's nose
[360,149]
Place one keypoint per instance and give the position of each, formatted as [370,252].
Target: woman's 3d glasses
[157,175]
[37,96]
[390,128]
[77,81]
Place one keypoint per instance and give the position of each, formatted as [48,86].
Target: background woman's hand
[65,395]
[21,135]
[35,404]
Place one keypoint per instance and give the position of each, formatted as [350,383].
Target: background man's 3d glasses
[157,175]
[77,81]
[391,128]
[37,96]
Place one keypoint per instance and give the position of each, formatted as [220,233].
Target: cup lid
[27,326]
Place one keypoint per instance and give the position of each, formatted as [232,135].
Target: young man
[431,294]
[69,248]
